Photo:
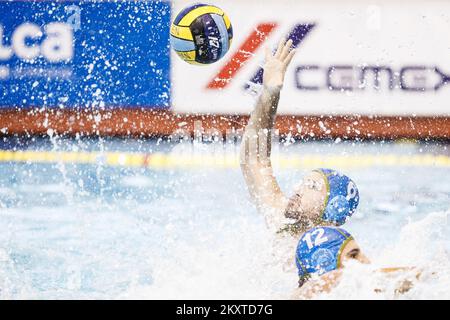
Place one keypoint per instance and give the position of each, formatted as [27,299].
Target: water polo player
[321,254]
[324,196]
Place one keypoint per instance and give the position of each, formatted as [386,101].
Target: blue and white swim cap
[319,250]
[342,196]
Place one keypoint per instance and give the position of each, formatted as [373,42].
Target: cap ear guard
[323,261]
[342,198]
[337,210]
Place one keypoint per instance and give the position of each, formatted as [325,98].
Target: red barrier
[137,122]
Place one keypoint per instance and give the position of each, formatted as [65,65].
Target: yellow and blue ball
[201,34]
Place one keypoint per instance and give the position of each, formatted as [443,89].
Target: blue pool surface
[72,231]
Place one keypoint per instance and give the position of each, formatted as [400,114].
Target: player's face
[309,198]
[353,251]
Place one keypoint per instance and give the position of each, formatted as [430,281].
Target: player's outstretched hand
[275,65]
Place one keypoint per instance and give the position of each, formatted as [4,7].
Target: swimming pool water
[71,230]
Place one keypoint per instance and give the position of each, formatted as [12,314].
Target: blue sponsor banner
[67,54]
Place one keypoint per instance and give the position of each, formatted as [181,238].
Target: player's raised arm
[256,144]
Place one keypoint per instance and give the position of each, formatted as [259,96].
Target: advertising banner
[67,54]
[386,58]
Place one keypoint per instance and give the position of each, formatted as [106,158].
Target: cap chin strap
[303,279]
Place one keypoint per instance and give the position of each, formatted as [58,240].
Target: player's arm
[403,285]
[396,269]
[256,144]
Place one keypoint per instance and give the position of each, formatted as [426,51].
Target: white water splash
[422,244]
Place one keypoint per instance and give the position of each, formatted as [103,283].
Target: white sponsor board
[345,45]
